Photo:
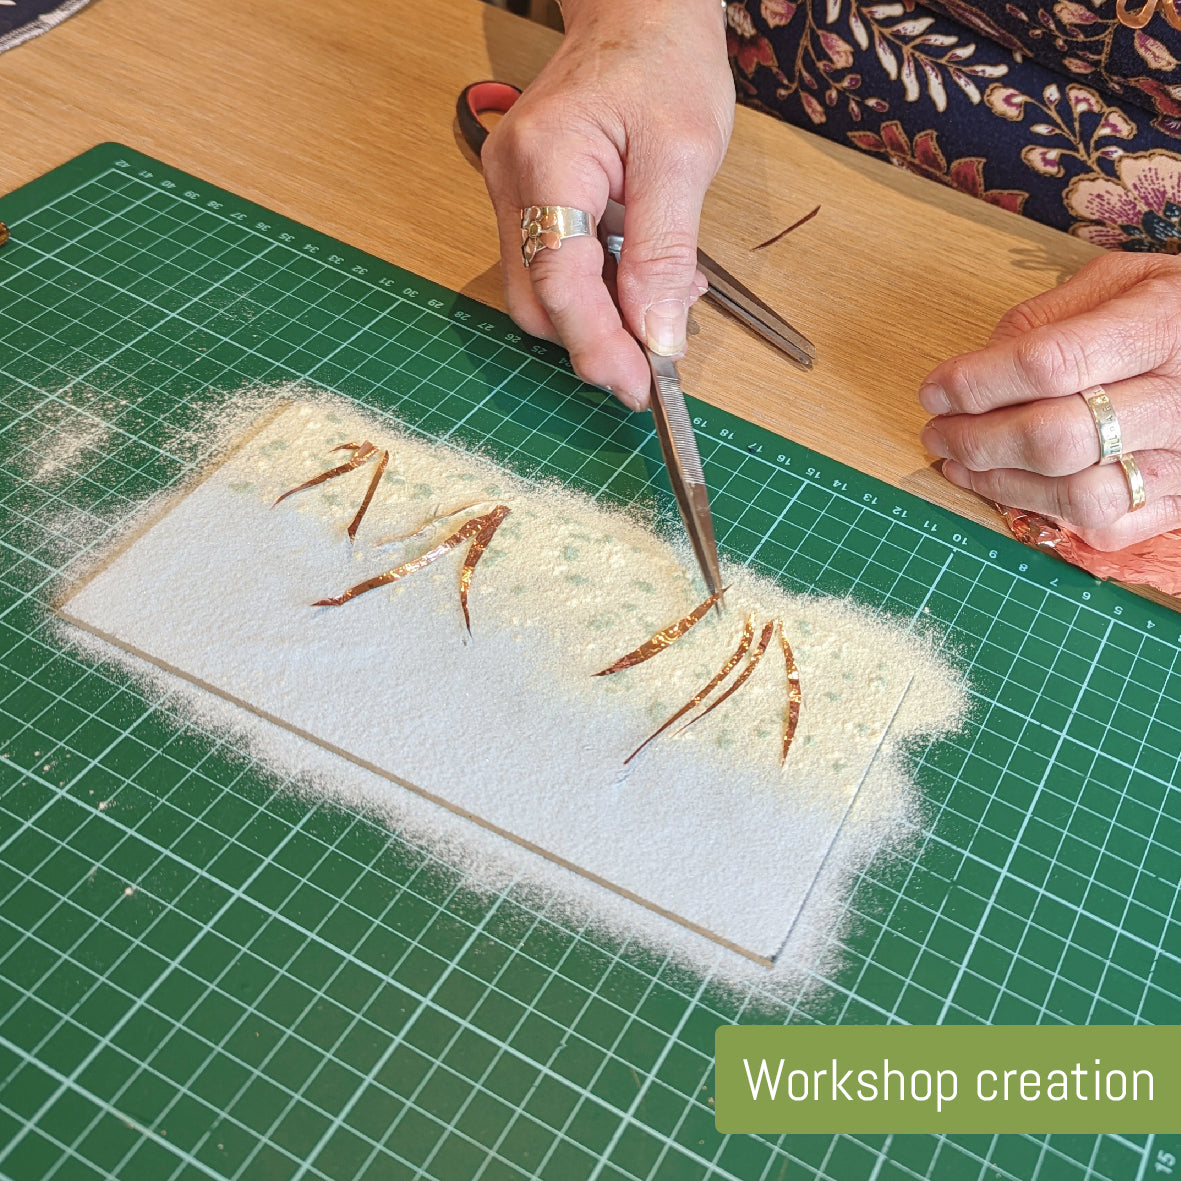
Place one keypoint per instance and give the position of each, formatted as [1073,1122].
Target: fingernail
[664,327]
[934,399]
[636,401]
[934,442]
[631,399]
[956,473]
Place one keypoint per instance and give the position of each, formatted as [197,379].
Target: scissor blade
[742,303]
[678,444]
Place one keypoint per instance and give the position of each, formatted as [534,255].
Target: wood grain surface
[341,115]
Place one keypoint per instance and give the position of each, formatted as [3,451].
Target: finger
[1058,436]
[1100,280]
[562,294]
[1132,334]
[1095,499]
[658,278]
[1156,517]
[523,305]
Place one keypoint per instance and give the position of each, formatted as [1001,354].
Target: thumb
[658,279]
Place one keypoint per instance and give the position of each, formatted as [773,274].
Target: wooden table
[341,115]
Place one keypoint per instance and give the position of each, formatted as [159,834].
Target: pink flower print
[1141,211]
[1044,161]
[1115,122]
[1074,14]
[1006,101]
[1084,100]
[777,12]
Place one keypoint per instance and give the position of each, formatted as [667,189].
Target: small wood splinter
[362,453]
[479,530]
[795,225]
[662,639]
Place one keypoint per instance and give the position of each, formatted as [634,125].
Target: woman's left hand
[1012,427]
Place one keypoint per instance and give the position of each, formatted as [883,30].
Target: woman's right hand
[636,106]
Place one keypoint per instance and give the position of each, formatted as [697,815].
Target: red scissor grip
[477,98]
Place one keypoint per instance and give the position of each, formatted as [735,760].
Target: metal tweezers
[674,428]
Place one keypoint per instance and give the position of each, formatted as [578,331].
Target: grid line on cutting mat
[203,973]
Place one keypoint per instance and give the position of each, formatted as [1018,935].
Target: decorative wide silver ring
[1111,438]
[1136,491]
[545,226]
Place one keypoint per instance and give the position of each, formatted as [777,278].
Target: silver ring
[1136,492]
[544,227]
[1111,438]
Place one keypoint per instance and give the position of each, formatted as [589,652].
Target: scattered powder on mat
[579,585]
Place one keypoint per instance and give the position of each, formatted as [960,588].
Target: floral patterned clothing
[1054,110]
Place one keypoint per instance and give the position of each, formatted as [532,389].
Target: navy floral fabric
[1053,110]
[22,19]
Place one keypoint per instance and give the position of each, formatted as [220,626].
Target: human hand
[1011,427]
[636,106]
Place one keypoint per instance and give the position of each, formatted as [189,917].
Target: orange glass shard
[362,453]
[663,639]
[794,697]
[355,524]
[465,532]
[748,632]
[475,553]
[742,677]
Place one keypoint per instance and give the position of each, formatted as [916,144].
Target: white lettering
[838,1083]
[764,1072]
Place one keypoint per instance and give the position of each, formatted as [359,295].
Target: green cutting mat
[207,976]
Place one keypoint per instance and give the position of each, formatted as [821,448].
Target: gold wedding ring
[1111,439]
[1136,492]
[544,226]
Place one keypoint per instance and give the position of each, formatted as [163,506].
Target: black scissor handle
[477,98]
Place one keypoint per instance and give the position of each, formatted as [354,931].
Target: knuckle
[551,284]
[963,388]
[1019,320]
[971,445]
[661,266]
[668,254]
[1050,360]
[1091,504]
[687,148]
[1057,444]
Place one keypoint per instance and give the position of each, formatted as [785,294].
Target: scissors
[674,428]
